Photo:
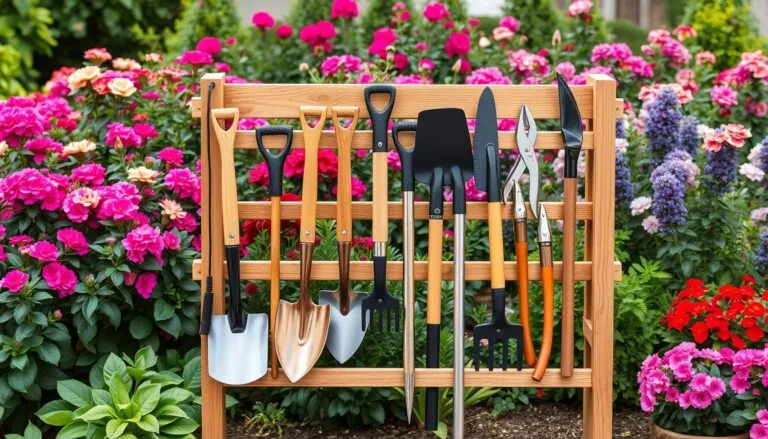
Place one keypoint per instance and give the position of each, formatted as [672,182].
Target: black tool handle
[433,362]
[498,305]
[205,316]
[236,313]
[493,186]
[436,194]
[406,154]
[379,276]
[380,119]
[275,162]
[459,194]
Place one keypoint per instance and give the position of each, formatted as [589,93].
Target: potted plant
[696,393]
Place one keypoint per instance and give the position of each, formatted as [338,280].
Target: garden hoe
[238,342]
[380,300]
[344,333]
[442,157]
[406,162]
[302,327]
[275,164]
[486,157]
[573,135]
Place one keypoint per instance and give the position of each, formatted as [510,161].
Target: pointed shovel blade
[298,355]
[345,333]
[241,358]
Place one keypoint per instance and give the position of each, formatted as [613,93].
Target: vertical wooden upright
[213,392]
[598,399]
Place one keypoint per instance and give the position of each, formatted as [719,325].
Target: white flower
[704,130]
[640,205]
[651,224]
[484,42]
[754,155]
[143,174]
[3,147]
[751,171]
[759,215]
[621,145]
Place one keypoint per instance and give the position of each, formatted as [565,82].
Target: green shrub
[538,20]
[217,19]
[379,13]
[24,33]
[627,32]
[725,27]
[310,11]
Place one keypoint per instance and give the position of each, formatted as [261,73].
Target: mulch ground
[545,421]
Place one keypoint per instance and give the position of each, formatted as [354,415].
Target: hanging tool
[442,157]
[380,300]
[487,178]
[275,164]
[573,135]
[238,342]
[344,334]
[301,328]
[406,163]
[526,137]
[207,312]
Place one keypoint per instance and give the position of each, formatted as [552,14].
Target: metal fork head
[385,304]
[502,332]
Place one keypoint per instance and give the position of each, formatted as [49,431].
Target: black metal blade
[570,126]
[486,136]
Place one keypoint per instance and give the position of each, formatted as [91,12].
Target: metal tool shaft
[408,299]
[458,327]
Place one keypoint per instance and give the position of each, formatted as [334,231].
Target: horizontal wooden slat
[362,210]
[393,377]
[283,100]
[363,270]
[546,140]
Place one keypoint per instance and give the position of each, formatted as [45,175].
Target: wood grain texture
[344,137]
[213,416]
[434,272]
[363,210]
[496,244]
[226,141]
[380,193]
[363,270]
[283,100]
[569,257]
[393,377]
[309,181]
[546,140]
[600,401]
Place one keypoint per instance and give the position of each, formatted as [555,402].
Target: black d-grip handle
[380,119]
[406,154]
[275,162]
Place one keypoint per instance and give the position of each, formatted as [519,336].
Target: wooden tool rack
[597,103]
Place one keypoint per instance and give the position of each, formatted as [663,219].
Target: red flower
[754,309]
[748,322]
[700,332]
[738,342]
[748,280]
[458,44]
[754,333]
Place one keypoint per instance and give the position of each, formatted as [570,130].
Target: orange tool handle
[569,257]
[434,271]
[548,287]
[521,253]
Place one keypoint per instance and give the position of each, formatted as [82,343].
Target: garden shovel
[406,163]
[275,164]
[442,157]
[302,327]
[238,342]
[344,333]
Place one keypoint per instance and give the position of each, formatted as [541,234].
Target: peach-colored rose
[714,141]
[97,54]
[143,174]
[172,209]
[3,148]
[121,87]
[81,77]
[125,64]
[87,197]
[736,134]
[502,33]
[79,147]
[153,57]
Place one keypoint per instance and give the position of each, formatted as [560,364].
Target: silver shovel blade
[344,333]
[237,359]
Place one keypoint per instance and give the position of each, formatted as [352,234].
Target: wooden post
[598,399]
[213,415]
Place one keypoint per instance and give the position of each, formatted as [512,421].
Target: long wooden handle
[548,288]
[309,182]
[521,253]
[434,273]
[344,137]
[226,139]
[274,275]
[569,267]
[380,197]
[496,243]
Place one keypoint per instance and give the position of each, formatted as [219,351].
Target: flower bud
[303,67]
[456,66]
[557,39]
[484,42]
[111,240]
[58,315]
[3,148]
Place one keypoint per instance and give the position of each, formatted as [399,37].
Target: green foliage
[675,11]
[725,27]
[379,14]
[627,32]
[24,33]
[309,11]
[538,20]
[267,419]
[584,32]
[126,399]
[218,18]
[458,9]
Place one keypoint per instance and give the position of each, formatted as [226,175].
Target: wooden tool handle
[569,266]
[274,275]
[521,253]
[344,137]
[434,273]
[496,243]
[380,194]
[548,288]
[309,182]
[226,139]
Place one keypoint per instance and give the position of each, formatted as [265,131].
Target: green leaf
[49,353]
[140,327]
[32,432]
[180,427]
[21,380]
[112,312]
[115,366]
[149,356]
[98,412]
[736,418]
[115,428]
[146,398]
[19,362]
[58,413]
[191,374]
[171,326]
[149,423]
[119,391]
[23,332]
[90,307]
[174,396]
[101,396]
[75,393]
[163,310]
[73,430]
[170,412]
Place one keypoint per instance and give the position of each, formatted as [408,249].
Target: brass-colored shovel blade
[238,358]
[344,333]
[297,352]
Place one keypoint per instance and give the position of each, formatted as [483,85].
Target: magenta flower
[382,38]
[145,284]
[20,122]
[344,9]
[458,44]
[78,204]
[284,31]
[195,58]
[487,75]
[184,183]
[54,107]
[210,45]
[171,241]
[262,20]
[60,278]
[723,96]
[44,251]
[127,137]
[145,131]
[14,281]
[73,239]
[171,156]
[511,23]
[436,11]
[567,69]
[142,240]
[119,202]
[91,174]
[40,146]
[758,431]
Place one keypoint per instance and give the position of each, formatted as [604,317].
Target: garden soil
[541,421]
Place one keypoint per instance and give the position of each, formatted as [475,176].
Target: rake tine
[381,320]
[505,355]
[490,352]
[476,360]
[519,354]
[397,318]
[389,320]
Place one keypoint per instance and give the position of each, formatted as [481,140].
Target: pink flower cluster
[731,134]
[24,118]
[344,9]
[487,75]
[120,135]
[342,64]
[579,8]
[436,12]
[30,186]
[526,64]
[660,41]
[611,52]
[144,240]
[317,36]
